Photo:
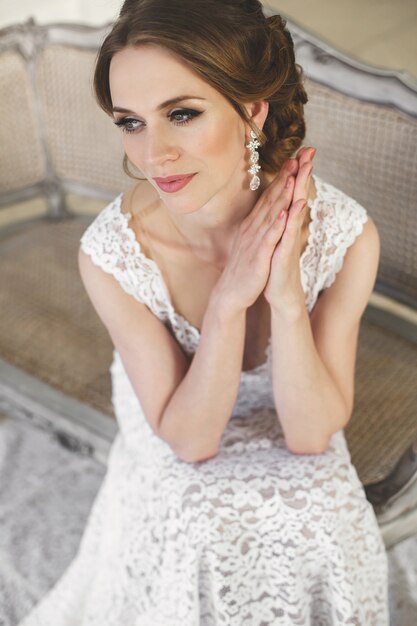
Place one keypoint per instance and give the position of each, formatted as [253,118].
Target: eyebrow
[161,106]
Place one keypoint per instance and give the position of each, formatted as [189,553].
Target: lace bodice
[336,220]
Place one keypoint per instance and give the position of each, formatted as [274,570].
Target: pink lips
[173,183]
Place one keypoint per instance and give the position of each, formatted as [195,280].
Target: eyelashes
[127,124]
[188,114]
[180,117]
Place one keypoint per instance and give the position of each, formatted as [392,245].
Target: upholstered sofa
[61,161]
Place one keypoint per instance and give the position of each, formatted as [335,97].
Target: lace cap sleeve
[112,246]
[341,219]
[105,242]
[101,239]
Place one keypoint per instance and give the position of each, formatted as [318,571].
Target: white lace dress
[256,536]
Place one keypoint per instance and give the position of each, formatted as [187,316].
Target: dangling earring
[254,158]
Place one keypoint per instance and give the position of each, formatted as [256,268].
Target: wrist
[221,307]
[285,313]
[290,306]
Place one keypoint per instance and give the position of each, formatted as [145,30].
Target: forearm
[309,404]
[196,416]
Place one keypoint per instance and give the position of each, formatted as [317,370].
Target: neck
[210,231]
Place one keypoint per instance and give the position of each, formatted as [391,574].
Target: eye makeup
[180,117]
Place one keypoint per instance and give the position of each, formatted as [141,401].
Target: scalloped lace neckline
[126,216]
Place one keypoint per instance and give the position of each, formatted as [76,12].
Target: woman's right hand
[247,269]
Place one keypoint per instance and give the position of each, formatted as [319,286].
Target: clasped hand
[266,251]
[283,289]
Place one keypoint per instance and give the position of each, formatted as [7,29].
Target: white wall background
[94,12]
[382,33]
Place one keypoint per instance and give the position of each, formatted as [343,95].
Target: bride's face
[176,124]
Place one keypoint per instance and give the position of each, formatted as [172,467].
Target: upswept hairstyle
[233,47]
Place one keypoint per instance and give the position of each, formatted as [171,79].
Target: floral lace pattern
[256,536]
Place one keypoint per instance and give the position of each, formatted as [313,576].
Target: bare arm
[197,413]
[314,358]
[188,406]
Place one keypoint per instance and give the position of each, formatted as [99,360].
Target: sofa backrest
[56,138]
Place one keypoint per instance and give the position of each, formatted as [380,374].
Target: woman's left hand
[283,290]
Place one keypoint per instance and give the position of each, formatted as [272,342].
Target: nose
[159,146]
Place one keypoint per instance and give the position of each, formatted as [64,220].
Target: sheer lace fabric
[256,536]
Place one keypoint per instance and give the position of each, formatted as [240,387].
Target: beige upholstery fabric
[48,327]
[383,423]
[84,143]
[370,152]
[21,156]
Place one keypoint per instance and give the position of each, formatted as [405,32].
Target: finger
[296,215]
[302,182]
[273,213]
[302,154]
[278,196]
[272,223]
[305,155]
[293,225]
[289,168]
[284,200]
[273,189]
[274,233]
[306,152]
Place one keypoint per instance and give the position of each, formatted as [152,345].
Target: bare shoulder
[370,236]
[364,253]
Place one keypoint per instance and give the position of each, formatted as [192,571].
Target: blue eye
[128,124]
[183,116]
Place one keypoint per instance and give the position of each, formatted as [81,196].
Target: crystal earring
[254,158]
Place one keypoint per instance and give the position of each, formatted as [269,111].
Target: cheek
[223,141]
[132,148]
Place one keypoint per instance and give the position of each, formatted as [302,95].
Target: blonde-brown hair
[234,48]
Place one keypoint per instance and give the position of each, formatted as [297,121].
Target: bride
[231,281]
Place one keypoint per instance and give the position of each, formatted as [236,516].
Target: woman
[232,284]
